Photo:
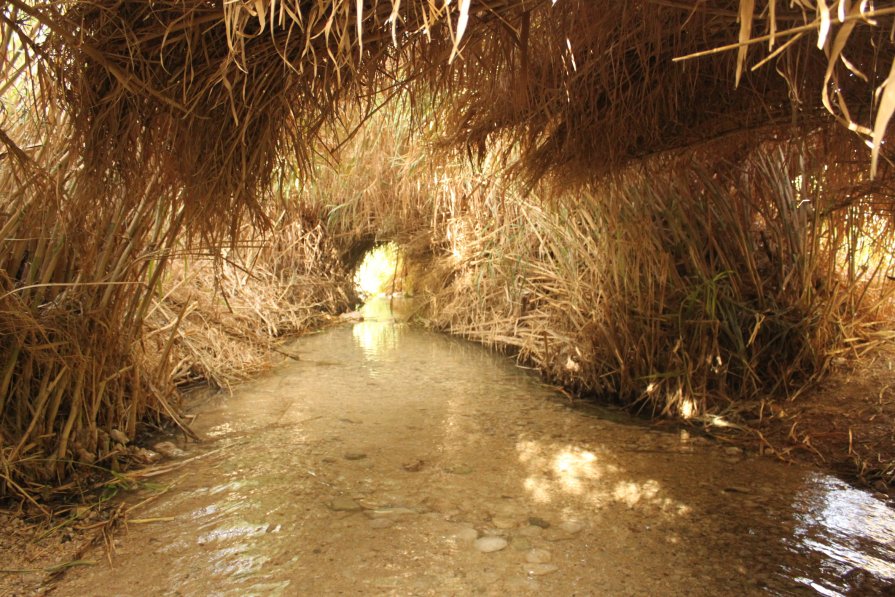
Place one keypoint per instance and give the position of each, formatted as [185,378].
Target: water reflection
[376,339]
[851,528]
[381,329]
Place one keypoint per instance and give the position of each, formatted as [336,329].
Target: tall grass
[684,288]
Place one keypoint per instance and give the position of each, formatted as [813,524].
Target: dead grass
[141,139]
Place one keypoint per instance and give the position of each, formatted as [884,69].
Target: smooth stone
[521,544]
[539,569]
[468,534]
[147,456]
[538,556]
[532,531]
[390,512]
[490,544]
[344,504]
[503,523]
[538,522]
[168,450]
[355,456]
[572,527]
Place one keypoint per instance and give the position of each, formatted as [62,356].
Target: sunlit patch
[572,466]
[374,338]
[585,474]
[539,488]
[377,272]
[688,408]
[631,494]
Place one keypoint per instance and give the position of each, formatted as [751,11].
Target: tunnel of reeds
[684,208]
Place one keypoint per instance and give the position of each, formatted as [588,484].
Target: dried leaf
[824,30]
[747,10]
[461,27]
[883,115]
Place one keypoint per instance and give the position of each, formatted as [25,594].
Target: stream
[391,460]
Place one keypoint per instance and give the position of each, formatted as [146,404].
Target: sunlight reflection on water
[842,522]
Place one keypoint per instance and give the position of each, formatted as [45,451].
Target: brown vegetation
[689,236]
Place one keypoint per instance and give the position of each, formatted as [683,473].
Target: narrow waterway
[390,460]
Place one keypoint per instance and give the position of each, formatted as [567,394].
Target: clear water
[369,466]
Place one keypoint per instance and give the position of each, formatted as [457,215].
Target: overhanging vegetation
[668,203]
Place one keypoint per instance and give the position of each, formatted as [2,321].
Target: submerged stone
[490,544]
[344,504]
[538,556]
[540,569]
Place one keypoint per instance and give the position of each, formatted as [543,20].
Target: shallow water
[370,465]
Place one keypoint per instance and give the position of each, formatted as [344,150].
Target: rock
[538,556]
[381,523]
[466,535]
[344,504]
[168,450]
[391,512]
[503,523]
[572,527]
[355,456]
[538,522]
[531,531]
[119,436]
[490,544]
[733,451]
[147,456]
[539,569]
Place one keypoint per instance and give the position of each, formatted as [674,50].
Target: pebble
[539,569]
[733,451]
[503,523]
[468,534]
[572,527]
[147,456]
[490,544]
[355,456]
[538,522]
[168,450]
[538,556]
[390,512]
[531,531]
[344,504]
[521,544]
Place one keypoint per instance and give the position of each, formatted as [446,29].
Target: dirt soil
[846,425]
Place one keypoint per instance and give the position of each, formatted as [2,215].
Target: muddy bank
[390,460]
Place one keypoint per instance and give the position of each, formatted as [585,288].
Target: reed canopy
[136,133]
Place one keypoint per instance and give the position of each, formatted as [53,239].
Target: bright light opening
[381,272]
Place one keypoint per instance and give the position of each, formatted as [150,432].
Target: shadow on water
[398,465]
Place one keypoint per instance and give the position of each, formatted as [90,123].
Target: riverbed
[391,460]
